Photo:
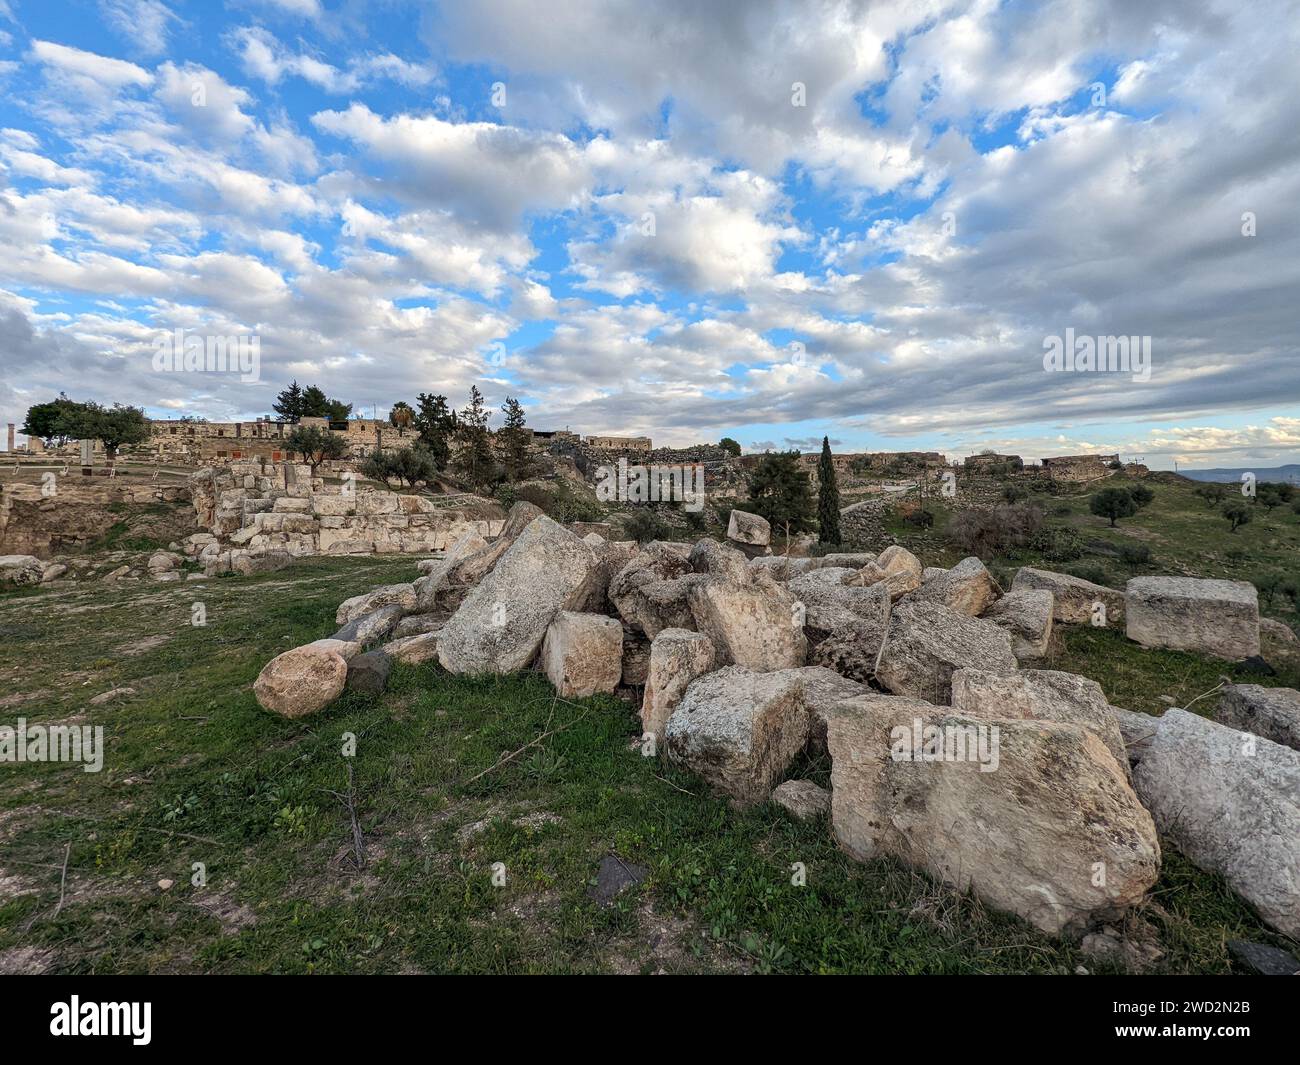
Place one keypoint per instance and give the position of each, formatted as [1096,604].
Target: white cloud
[115,73]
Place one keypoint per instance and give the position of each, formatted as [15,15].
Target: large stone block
[1273,713]
[1213,617]
[501,623]
[1230,802]
[750,529]
[1039,695]
[402,595]
[739,730]
[1027,617]
[968,588]
[1036,818]
[1074,600]
[928,642]
[677,657]
[582,654]
[758,623]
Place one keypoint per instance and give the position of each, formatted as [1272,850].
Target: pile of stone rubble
[948,750]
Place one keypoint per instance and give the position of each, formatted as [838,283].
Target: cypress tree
[828,497]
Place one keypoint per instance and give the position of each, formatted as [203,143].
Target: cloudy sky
[766,220]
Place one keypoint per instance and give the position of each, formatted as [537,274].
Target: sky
[764,220]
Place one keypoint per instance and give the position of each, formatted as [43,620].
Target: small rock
[166,885]
[1262,959]
[369,672]
[804,799]
[110,695]
[614,876]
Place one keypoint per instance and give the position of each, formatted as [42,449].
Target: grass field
[196,772]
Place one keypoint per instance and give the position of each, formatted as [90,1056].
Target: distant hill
[1289,472]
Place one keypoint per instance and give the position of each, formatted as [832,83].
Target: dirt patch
[234,917]
[139,647]
[26,961]
[666,944]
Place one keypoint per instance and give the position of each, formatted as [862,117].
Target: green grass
[197,772]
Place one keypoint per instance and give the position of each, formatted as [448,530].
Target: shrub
[1268,585]
[1141,495]
[1134,555]
[1058,544]
[1089,572]
[643,525]
[988,532]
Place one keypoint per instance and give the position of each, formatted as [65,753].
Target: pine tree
[289,404]
[435,422]
[515,439]
[828,497]
[475,457]
[780,492]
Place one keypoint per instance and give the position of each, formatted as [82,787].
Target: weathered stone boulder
[822,690]
[833,604]
[372,627]
[1054,834]
[928,642]
[749,529]
[650,592]
[783,567]
[757,623]
[803,799]
[415,624]
[1027,617]
[611,557]
[1230,802]
[968,588]
[1268,628]
[471,566]
[402,595]
[1074,600]
[739,731]
[852,649]
[853,560]
[349,649]
[677,658]
[437,580]
[1039,695]
[301,681]
[369,672]
[21,569]
[163,562]
[503,620]
[719,560]
[413,650]
[583,654]
[1213,617]
[896,568]
[1273,713]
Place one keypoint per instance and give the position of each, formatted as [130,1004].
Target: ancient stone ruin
[951,750]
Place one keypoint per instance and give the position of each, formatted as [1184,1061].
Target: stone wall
[83,510]
[263,508]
